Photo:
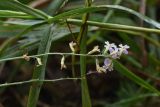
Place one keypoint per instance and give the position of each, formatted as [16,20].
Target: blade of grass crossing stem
[82,37]
[19,6]
[123,70]
[39,71]
[105,19]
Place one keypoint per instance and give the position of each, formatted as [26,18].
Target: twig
[55,53]
[35,80]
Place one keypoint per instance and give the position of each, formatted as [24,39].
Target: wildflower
[112,48]
[108,46]
[95,49]
[62,63]
[108,64]
[115,53]
[123,49]
[72,46]
[26,57]
[98,68]
[39,61]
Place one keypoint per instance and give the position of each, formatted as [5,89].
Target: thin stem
[55,53]
[73,56]
[142,40]
[36,80]
[82,40]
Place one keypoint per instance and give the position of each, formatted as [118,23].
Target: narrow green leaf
[14,14]
[130,41]
[105,20]
[123,70]
[39,72]
[24,22]
[100,8]
[113,26]
[23,8]
[82,40]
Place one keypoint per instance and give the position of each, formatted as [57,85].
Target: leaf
[100,8]
[14,14]
[23,8]
[130,41]
[114,26]
[24,22]
[123,70]
[39,72]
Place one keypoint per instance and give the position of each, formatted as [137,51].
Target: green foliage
[24,30]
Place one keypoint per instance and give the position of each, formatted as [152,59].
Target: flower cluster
[110,49]
[114,52]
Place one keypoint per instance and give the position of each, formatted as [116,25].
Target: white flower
[62,63]
[72,46]
[112,48]
[98,68]
[95,49]
[123,49]
[39,61]
[108,46]
[26,57]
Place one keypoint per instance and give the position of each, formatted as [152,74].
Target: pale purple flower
[123,49]
[109,46]
[112,49]
[108,64]
[114,52]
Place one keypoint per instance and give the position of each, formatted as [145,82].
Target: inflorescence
[114,52]
[111,51]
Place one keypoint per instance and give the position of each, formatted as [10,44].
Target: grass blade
[39,72]
[123,70]
[100,8]
[82,40]
[19,6]
[114,26]
[14,14]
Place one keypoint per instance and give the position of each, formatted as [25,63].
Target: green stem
[82,37]
[114,26]
[55,53]
[36,81]
[105,19]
